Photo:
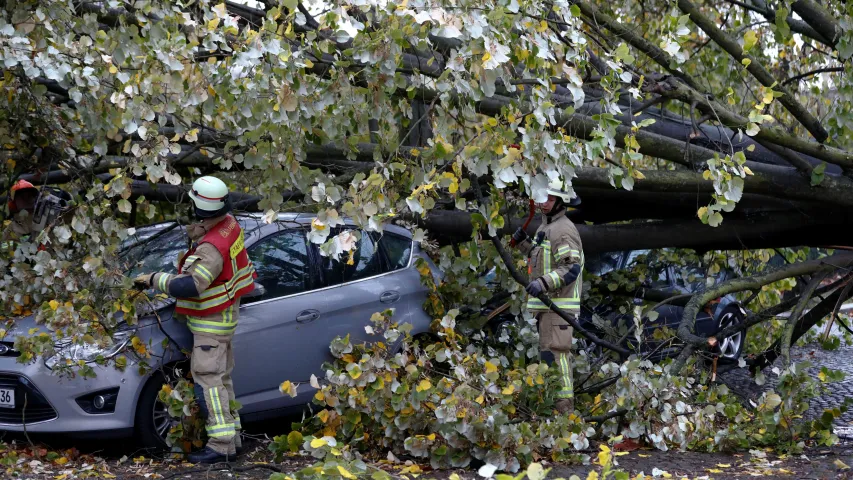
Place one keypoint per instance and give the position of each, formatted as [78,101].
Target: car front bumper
[46,402]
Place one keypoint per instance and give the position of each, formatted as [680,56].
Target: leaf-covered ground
[58,458]
[257,464]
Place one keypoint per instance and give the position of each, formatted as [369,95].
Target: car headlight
[88,353]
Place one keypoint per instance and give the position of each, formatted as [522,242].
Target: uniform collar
[199,229]
[553,218]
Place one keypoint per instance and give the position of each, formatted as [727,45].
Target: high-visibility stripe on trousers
[211,364]
[564,365]
[555,341]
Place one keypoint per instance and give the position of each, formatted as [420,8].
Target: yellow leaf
[508,390]
[113,69]
[53,304]
[345,473]
[747,171]
[431,437]
[319,396]
[715,470]
[412,469]
[486,57]
[479,400]
[746,62]
[707,174]
[701,212]
[424,385]
[491,367]
[639,175]
[61,461]
[318,442]
[211,91]
[724,465]
[323,416]
[287,388]
[822,377]
[643,455]
[492,121]
[309,63]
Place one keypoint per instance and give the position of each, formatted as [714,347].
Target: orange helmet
[18,186]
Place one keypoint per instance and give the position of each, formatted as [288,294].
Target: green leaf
[773,400]
[576,11]
[290,5]
[818,174]
[749,40]
[783,30]
[623,53]
[294,441]
[715,219]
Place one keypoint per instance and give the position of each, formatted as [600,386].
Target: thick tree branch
[806,322]
[795,25]
[818,18]
[688,320]
[673,89]
[731,46]
[805,297]
[624,32]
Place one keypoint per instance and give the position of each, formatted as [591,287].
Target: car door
[358,288]
[275,338]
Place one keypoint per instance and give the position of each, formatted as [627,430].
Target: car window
[690,277]
[281,261]
[657,271]
[602,263]
[154,249]
[397,249]
[365,262]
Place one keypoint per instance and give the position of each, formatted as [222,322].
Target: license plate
[7,398]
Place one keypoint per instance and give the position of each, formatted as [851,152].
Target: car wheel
[153,421]
[731,347]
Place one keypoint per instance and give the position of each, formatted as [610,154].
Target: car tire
[732,347]
[151,415]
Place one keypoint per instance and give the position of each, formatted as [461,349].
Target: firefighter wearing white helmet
[555,266]
[212,276]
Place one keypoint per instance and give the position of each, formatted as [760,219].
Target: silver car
[301,302]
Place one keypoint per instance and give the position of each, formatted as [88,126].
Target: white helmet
[555,188]
[210,196]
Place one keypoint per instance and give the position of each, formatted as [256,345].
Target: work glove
[143,281]
[535,287]
[519,236]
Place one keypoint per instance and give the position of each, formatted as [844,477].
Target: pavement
[841,359]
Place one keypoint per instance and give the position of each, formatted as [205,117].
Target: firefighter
[212,276]
[555,266]
[32,209]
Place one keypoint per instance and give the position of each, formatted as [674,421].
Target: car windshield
[602,263]
[155,248]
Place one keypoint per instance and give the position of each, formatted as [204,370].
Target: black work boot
[208,455]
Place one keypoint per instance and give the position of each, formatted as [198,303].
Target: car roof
[252,222]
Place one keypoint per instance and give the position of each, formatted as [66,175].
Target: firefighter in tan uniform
[212,277]
[32,209]
[555,256]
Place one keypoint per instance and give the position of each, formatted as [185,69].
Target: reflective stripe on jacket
[553,250]
[235,279]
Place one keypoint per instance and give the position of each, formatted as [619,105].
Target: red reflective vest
[236,279]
